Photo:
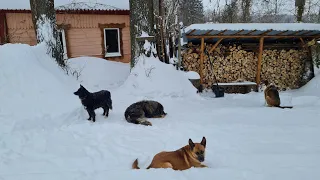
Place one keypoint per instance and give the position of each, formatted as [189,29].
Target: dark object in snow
[92,101]
[218,91]
[200,89]
[137,112]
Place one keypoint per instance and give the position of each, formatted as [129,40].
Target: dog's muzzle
[201,158]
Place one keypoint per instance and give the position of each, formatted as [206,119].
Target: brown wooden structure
[83,32]
[212,33]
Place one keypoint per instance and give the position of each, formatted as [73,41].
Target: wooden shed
[84,32]
[246,53]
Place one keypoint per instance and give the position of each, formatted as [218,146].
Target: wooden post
[258,78]
[201,61]
[215,45]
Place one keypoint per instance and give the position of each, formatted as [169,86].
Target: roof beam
[207,33]
[239,32]
[190,33]
[266,32]
[281,33]
[306,33]
[221,33]
[249,33]
[295,33]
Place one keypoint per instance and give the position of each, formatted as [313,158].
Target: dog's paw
[146,123]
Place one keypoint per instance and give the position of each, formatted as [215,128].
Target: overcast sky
[123,4]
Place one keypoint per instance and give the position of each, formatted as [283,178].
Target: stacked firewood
[230,63]
[284,68]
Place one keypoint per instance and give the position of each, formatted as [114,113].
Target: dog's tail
[109,101]
[135,164]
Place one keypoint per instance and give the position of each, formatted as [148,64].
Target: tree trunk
[300,9]
[246,6]
[44,21]
[141,20]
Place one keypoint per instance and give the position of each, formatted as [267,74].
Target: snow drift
[97,73]
[31,82]
[151,77]
[311,88]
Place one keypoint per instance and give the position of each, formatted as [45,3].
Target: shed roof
[252,30]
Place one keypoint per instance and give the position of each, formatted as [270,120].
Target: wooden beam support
[239,32]
[281,33]
[249,33]
[303,34]
[295,33]
[191,32]
[221,33]
[302,41]
[201,61]
[208,32]
[266,32]
[215,45]
[258,76]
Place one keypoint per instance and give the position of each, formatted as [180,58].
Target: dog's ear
[191,144]
[203,142]
[81,86]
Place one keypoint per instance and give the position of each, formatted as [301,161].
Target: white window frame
[65,54]
[115,54]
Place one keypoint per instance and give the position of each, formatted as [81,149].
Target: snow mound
[97,73]
[32,84]
[311,88]
[192,75]
[151,77]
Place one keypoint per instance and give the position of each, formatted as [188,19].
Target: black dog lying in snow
[137,112]
[92,101]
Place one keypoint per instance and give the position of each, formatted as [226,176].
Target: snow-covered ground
[44,134]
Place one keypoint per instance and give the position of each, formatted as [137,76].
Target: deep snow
[50,138]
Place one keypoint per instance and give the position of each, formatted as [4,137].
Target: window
[62,37]
[112,42]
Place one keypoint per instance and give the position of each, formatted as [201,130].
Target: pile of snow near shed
[31,83]
[312,88]
[97,73]
[151,77]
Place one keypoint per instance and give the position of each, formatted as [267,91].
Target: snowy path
[244,141]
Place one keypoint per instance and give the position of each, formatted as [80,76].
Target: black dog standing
[92,101]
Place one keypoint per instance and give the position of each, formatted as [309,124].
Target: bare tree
[229,14]
[141,20]
[246,7]
[44,21]
[300,9]
[191,12]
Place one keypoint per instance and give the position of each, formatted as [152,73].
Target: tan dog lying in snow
[191,155]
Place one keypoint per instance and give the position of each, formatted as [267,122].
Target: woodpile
[284,68]
[233,64]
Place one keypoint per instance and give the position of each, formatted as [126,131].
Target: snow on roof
[255,26]
[71,4]
[86,5]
